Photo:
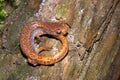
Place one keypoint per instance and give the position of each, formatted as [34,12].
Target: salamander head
[60,29]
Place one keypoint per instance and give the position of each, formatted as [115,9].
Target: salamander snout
[62,30]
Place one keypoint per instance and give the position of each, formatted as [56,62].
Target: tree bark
[93,36]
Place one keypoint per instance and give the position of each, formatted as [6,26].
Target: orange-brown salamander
[36,29]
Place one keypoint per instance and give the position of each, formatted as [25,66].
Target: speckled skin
[34,28]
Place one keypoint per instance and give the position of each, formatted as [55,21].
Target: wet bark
[93,36]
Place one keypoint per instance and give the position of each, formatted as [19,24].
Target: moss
[65,10]
[3,13]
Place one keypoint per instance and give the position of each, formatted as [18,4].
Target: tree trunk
[93,36]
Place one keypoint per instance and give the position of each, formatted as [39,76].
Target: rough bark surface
[94,40]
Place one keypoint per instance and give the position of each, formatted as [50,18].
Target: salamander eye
[58,31]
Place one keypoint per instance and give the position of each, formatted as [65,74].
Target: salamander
[36,29]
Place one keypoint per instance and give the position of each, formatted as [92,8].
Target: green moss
[3,14]
[63,10]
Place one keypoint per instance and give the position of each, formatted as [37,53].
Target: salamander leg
[40,49]
[33,62]
[37,36]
